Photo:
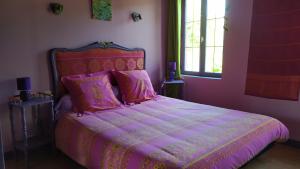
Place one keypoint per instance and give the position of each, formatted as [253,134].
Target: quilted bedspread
[166,133]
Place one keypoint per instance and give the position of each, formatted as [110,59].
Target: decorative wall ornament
[56,8]
[136,16]
[105,44]
[102,10]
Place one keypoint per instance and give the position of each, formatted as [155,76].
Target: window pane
[188,59]
[189,12]
[197,10]
[214,59]
[192,59]
[220,8]
[189,34]
[192,23]
[210,32]
[215,9]
[209,59]
[214,36]
[219,36]
[196,34]
[196,60]
[192,35]
[193,10]
[218,60]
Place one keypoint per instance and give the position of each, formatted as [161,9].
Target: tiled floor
[280,156]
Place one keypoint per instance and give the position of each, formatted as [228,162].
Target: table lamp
[24,86]
[172,70]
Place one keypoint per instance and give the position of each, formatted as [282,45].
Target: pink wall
[229,91]
[28,31]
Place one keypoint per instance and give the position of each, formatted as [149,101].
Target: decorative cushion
[91,93]
[135,85]
[108,73]
[65,104]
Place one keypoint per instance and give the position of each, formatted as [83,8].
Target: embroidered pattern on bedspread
[166,133]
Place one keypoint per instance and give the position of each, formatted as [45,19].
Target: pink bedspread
[165,134]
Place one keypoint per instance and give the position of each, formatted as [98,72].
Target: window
[203,37]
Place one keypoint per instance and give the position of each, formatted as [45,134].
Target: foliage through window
[203,37]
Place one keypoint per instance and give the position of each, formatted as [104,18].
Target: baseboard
[293,143]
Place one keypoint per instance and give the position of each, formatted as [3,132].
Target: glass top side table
[32,142]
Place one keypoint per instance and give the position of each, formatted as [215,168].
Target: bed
[162,133]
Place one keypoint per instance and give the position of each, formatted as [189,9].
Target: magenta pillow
[91,93]
[135,85]
[110,76]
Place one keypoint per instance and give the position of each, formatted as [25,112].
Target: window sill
[202,77]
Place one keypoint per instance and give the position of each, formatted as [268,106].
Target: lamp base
[25,95]
[172,76]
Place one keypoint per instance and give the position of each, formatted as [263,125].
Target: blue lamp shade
[24,83]
[172,66]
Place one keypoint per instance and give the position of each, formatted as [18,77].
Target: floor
[280,156]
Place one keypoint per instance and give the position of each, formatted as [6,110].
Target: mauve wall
[229,91]
[28,31]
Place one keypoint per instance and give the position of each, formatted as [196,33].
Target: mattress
[166,133]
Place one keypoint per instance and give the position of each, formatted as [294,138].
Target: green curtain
[173,43]
[174,35]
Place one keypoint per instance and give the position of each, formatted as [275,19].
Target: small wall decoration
[102,10]
[56,8]
[136,16]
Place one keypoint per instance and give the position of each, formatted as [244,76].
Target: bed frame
[91,58]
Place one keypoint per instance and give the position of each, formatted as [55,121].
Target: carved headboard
[95,57]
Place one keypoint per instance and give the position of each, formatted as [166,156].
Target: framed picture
[102,10]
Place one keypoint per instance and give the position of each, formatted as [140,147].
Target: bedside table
[172,88]
[32,142]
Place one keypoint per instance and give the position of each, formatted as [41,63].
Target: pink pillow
[110,76]
[91,93]
[135,85]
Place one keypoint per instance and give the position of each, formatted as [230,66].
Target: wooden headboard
[95,57]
